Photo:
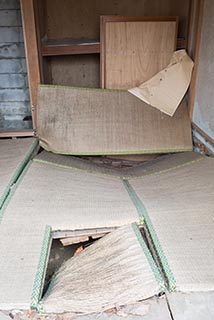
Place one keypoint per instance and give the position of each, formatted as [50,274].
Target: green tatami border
[170,279]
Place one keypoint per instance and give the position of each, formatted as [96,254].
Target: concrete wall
[203,115]
[14,94]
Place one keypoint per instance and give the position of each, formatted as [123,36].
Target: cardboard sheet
[167,88]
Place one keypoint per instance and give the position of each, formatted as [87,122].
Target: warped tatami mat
[14,154]
[162,163]
[69,199]
[178,206]
[116,270]
[83,121]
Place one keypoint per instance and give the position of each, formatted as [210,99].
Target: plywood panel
[78,71]
[96,121]
[77,19]
[134,51]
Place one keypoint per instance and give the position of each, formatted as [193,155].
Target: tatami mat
[14,154]
[69,199]
[179,209]
[83,121]
[20,249]
[63,198]
[162,163]
[116,270]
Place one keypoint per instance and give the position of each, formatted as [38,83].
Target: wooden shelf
[10,134]
[70,47]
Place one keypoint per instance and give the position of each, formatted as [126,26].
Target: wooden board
[96,121]
[70,47]
[32,55]
[196,55]
[134,49]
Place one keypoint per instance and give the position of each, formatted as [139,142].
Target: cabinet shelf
[83,46]
[70,47]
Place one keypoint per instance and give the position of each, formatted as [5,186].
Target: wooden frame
[199,19]
[16,134]
[192,6]
[203,134]
[106,19]
[48,50]
[32,53]
[59,48]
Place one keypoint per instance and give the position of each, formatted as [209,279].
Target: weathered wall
[203,115]
[14,95]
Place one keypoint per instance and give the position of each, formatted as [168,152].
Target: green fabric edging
[149,258]
[19,171]
[81,88]
[77,169]
[189,163]
[114,152]
[119,176]
[13,190]
[40,275]
[154,239]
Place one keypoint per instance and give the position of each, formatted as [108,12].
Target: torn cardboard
[166,89]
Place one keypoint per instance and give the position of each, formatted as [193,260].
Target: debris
[80,249]
[73,240]
[90,282]
[29,313]
[167,88]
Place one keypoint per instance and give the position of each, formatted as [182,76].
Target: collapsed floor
[53,194]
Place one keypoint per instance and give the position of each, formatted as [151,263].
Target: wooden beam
[192,89]
[81,233]
[31,51]
[60,50]
[16,134]
[38,16]
[190,31]
[203,134]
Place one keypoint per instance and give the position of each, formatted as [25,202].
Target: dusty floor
[152,309]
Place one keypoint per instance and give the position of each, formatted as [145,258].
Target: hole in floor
[60,253]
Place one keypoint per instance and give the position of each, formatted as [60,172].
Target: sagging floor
[61,193]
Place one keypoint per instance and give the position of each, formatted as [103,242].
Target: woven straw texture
[63,198]
[112,272]
[96,121]
[180,206]
[162,163]
[20,249]
[14,154]
[70,200]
